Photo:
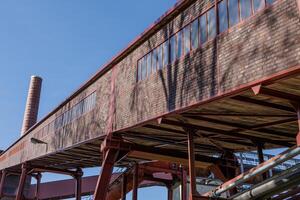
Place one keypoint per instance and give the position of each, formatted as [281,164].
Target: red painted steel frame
[19,195]
[298,114]
[109,160]
[183,185]
[124,187]
[193,191]
[3,177]
[38,183]
[135,182]
[78,186]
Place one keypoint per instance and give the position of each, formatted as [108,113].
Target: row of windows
[230,12]
[84,106]
[76,111]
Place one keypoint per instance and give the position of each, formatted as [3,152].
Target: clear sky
[65,42]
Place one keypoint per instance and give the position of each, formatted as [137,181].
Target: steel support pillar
[78,177]
[135,182]
[19,195]
[297,106]
[260,155]
[170,192]
[2,182]
[183,184]
[110,157]
[124,187]
[37,187]
[192,173]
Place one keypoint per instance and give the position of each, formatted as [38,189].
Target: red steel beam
[124,187]
[78,186]
[38,184]
[183,184]
[109,160]
[229,133]
[259,89]
[192,172]
[2,182]
[135,182]
[19,195]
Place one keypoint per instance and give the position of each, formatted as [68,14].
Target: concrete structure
[208,79]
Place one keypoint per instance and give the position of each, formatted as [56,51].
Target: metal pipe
[272,186]
[290,153]
[32,104]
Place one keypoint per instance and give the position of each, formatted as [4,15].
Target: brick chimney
[32,104]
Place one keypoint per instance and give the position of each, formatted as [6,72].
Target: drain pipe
[287,155]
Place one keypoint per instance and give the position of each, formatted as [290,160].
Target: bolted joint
[115,143]
[78,173]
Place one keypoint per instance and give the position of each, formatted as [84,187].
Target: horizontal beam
[228,133]
[263,103]
[259,89]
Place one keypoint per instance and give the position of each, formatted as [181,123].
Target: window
[269,2]
[165,53]
[139,75]
[258,5]
[203,32]
[223,16]
[195,34]
[144,67]
[187,39]
[159,57]
[154,60]
[179,44]
[211,21]
[149,64]
[245,6]
[233,9]
[173,48]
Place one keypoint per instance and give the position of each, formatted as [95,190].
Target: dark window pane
[203,29]
[144,67]
[223,17]
[258,4]
[187,39]
[140,69]
[245,8]
[159,57]
[173,48]
[179,44]
[233,9]
[154,60]
[270,2]
[166,53]
[211,21]
[149,64]
[195,34]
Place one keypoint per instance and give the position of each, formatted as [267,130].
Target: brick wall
[257,47]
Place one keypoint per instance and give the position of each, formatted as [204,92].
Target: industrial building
[208,80]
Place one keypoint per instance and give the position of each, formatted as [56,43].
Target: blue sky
[65,42]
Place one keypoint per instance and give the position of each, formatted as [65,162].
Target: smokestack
[32,104]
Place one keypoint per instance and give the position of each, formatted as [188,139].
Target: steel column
[298,114]
[124,187]
[170,192]
[135,182]
[260,155]
[19,195]
[192,172]
[78,177]
[109,160]
[37,187]
[2,182]
[183,184]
